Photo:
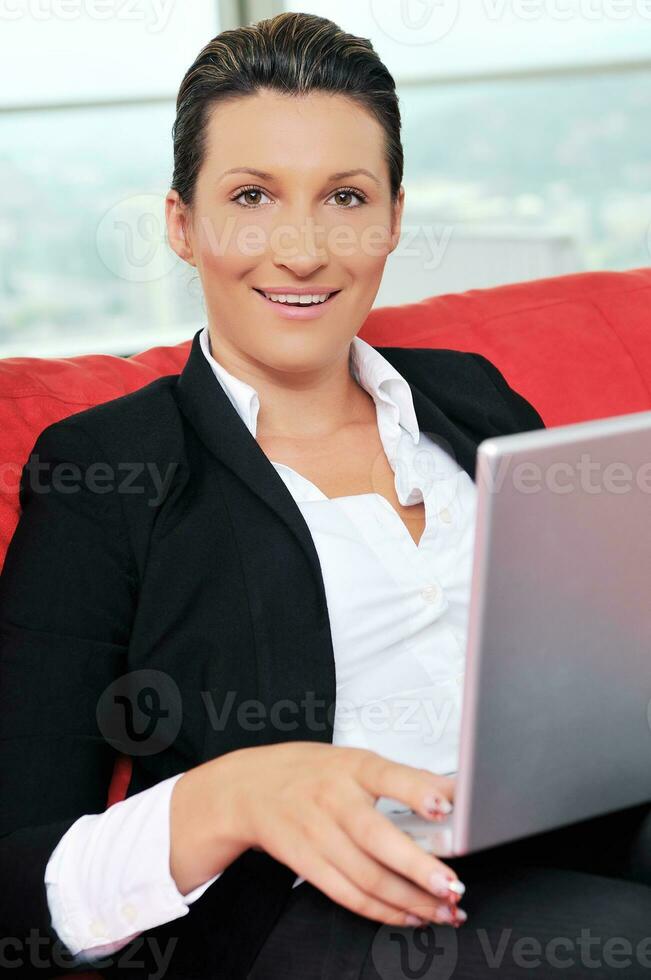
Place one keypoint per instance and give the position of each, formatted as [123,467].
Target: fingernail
[457,886]
[437,804]
[459,917]
[442,886]
[454,916]
[413,920]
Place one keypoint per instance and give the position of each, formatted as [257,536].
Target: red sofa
[577,347]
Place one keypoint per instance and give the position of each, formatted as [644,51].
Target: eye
[351,192]
[252,189]
[342,192]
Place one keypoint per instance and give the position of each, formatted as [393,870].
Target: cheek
[362,240]
[228,242]
[368,262]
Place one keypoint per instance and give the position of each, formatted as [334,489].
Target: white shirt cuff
[108,879]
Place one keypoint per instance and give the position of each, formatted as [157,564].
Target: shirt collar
[389,390]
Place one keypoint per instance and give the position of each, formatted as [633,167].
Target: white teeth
[294,298]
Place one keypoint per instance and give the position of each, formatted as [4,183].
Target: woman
[192,559]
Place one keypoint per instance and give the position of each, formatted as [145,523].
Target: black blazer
[169,545]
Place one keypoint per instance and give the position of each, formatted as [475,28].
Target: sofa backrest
[577,347]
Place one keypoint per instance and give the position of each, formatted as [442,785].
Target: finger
[418,788]
[376,835]
[341,889]
[310,864]
[375,879]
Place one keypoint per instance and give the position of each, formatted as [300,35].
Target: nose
[298,244]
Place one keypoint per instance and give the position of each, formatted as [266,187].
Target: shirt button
[431,593]
[445,516]
[129,912]
[98,928]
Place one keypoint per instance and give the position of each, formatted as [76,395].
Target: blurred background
[526,130]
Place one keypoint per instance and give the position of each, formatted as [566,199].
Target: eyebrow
[263,175]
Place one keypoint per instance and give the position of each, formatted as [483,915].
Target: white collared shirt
[398,618]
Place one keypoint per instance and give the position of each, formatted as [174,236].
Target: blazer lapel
[207,406]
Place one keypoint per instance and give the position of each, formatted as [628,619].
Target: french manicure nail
[445,915]
[413,920]
[437,804]
[454,916]
[459,917]
[442,886]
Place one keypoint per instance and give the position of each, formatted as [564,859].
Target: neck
[306,405]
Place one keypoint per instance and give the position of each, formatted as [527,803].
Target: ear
[177,218]
[396,218]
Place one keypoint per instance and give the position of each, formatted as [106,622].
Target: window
[84,261]
[443,39]
[524,127]
[527,153]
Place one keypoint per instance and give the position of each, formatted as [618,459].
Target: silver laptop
[556,711]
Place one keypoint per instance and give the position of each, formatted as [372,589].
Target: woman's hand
[312,807]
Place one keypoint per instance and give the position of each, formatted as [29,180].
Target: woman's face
[302,225]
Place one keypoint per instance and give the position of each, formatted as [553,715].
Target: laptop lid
[556,717]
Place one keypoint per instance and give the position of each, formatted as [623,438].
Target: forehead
[312,134]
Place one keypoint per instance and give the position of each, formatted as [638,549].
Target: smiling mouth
[306,305]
